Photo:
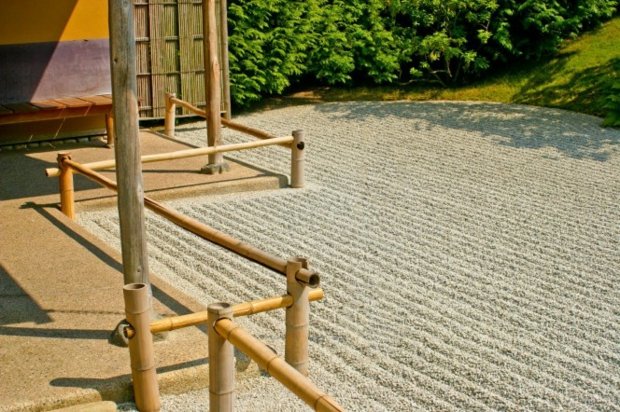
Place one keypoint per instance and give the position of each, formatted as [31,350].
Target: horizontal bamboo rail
[277,264]
[183,154]
[226,122]
[241,309]
[275,366]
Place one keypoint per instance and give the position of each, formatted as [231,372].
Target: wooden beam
[127,145]
[212,85]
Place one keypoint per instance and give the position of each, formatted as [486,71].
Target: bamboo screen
[169,54]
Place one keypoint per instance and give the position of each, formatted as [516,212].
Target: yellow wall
[37,21]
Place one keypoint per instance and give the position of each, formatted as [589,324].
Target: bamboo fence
[169,53]
[277,264]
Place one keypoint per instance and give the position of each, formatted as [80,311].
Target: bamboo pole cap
[220,310]
[136,298]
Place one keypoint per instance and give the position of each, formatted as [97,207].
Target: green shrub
[275,43]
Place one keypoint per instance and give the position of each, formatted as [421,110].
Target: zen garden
[251,205]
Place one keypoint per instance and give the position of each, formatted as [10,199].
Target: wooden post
[170,117]
[65,183]
[224,58]
[212,86]
[298,160]
[127,147]
[143,372]
[221,361]
[297,318]
[109,128]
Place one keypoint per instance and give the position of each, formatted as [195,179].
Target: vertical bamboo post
[224,58]
[170,117]
[221,361]
[212,86]
[298,160]
[143,372]
[65,183]
[127,147]
[109,128]
[297,318]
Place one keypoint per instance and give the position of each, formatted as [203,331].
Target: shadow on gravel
[574,135]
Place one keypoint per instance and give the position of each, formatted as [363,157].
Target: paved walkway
[60,286]
[469,252]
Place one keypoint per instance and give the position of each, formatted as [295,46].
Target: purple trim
[42,71]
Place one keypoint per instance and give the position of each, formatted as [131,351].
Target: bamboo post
[170,117]
[109,128]
[298,159]
[65,183]
[127,146]
[297,318]
[143,372]
[221,361]
[212,87]
[224,58]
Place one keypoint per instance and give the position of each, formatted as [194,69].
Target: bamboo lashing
[143,373]
[241,309]
[275,366]
[183,154]
[221,361]
[277,264]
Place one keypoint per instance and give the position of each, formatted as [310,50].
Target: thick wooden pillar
[212,86]
[127,145]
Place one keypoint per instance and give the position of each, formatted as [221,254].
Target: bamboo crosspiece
[221,361]
[138,312]
[297,318]
[65,183]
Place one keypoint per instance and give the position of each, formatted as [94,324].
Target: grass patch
[580,77]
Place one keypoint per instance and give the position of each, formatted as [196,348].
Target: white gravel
[469,253]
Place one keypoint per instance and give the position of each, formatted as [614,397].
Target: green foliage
[274,43]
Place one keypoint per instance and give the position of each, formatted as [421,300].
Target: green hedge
[276,43]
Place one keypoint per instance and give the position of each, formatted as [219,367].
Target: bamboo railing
[223,333]
[223,330]
[241,309]
[68,167]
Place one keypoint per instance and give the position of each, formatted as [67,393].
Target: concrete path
[61,287]
[469,253]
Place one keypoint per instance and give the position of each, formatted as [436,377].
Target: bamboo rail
[225,121]
[277,264]
[275,366]
[241,309]
[183,154]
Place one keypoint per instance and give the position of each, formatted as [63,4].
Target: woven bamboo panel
[169,40]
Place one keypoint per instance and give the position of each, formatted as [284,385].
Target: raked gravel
[469,253]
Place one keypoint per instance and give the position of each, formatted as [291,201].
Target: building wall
[51,49]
